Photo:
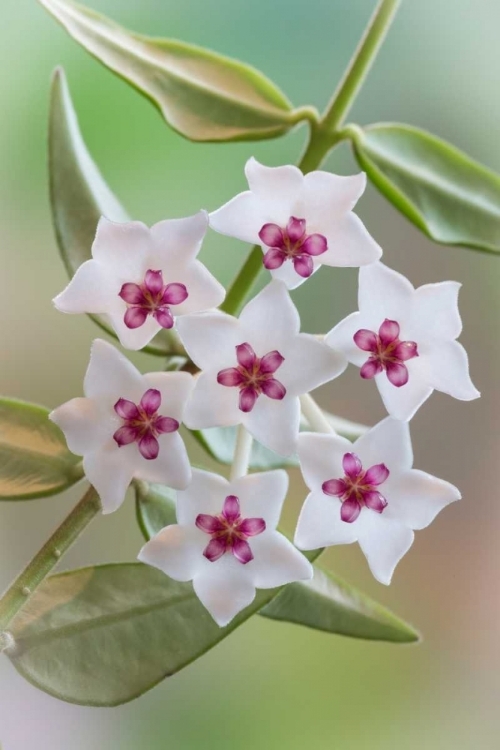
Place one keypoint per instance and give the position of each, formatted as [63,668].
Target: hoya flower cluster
[256,370]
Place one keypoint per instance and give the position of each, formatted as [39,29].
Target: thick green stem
[37,570]
[324,135]
[360,64]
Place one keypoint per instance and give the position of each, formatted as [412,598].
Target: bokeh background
[270,685]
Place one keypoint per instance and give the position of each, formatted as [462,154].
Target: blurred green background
[271,686]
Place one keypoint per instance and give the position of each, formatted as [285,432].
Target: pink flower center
[142,424]
[152,297]
[253,376]
[292,243]
[229,532]
[357,488]
[387,352]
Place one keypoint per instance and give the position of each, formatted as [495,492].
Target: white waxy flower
[255,368]
[404,338]
[226,541]
[300,221]
[367,492]
[127,425]
[142,279]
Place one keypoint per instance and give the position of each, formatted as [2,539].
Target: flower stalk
[242,452]
[18,594]
[314,415]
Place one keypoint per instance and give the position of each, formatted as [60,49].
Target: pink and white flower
[300,221]
[255,368]
[404,339]
[226,541]
[367,492]
[142,279]
[127,425]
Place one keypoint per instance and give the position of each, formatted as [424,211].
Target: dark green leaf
[327,603]
[79,195]
[450,197]
[34,459]
[219,443]
[202,95]
[155,507]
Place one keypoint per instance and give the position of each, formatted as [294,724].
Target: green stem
[360,64]
[38,569]
[324,135]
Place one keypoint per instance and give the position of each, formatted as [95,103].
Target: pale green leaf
[79,195]
[450,197]
[34,459]
[202,95]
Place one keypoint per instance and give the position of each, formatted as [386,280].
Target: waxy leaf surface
[79,195]
[450,197]
[202,95]
[34,458]
[101,636]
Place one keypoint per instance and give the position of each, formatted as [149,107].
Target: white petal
[330,195]
[387,443]
[179,240]
[289,276]
[133,338]
[110,470]
[261,495]
[205,494]
[210,338]
[175,389]
[350,244]
[275,424]
[320,524]
[321,457]
[308,364]
[341,337]
[384,293]
[384,542]
[402,403]
[415,498]
[111,375]
[281,189]
[242,217]
[171,467]
[204,291]
[436,310]
[276,561]
[270,319]
[448,371]
[224,590]
[176,550]
[85,423]
[92,289]
[122,247]
[211,404]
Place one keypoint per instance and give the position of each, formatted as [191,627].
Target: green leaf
[451,198]
[34,459]
[79,195]
[219,443]
[202,95]
[104,635]
[326,603]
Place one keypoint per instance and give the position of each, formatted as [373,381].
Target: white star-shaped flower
[226,541]
[369,493]
[300,221]
[404,338]
[255,368]
[127,425]
[142,279]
